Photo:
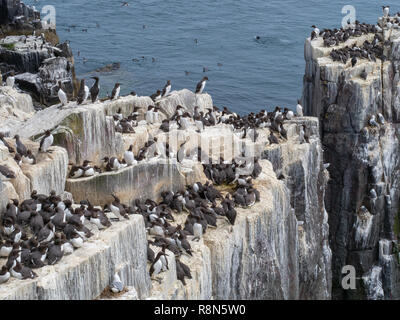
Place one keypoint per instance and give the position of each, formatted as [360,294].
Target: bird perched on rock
[299,109]
[21,148]
[95,89]
[62,96]
[353,61]
[364,74]
[29,158]
[156,96]
[372,121]
[116,285]
[272,139]
[167,89]
[81,93]
[129,156]
[386,11]
[201,85]
[115,92]
[46,142]
[7,173]
[10,79]
[381,119]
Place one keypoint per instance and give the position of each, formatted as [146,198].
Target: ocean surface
[157,40]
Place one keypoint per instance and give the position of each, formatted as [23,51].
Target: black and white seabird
[386,11]
[21,148]
[167,89]
[299,109]
[115,92]
[156,96]
[22,272]
[29,158]
[201,85]
[129,157]
[95,89]
[81,92]
[10,79]
[46,142]
[7,173]
[62,95]
[4,275]
[116,285]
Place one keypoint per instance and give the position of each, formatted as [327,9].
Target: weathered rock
[49,173]
[86,132]
[14,108]
[145,180]
[85,273]
[361,157]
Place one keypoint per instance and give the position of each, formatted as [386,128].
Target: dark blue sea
[155,40]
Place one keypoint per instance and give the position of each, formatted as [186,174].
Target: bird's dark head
[205,78]
[105,159]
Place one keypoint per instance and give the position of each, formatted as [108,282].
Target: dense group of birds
[369,50]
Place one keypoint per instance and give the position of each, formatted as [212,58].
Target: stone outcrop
[361,157]
[84,274]
[87,132]
[30,47]
[277,249]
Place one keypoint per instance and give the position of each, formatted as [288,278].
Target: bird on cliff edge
[117,285]
[81,92]
[94,90]
[166,89]
[10,80]
[299,109]
[62,95]
[201,85]
[46,142]
[115,91]
[386,10]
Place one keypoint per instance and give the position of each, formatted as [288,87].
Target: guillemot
[115,92]
[62,95]
[95,89]
[81,93]
[46,142]
[201,85]
[167,89]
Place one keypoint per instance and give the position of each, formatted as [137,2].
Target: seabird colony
[370,50]
[44,228]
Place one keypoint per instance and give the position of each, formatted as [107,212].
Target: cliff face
[277,249]
[361,158]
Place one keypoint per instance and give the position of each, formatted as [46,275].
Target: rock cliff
[277,249]
[362,158]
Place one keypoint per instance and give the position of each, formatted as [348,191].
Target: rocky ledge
[277,249]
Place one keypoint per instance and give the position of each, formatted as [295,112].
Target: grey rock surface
[361,157]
